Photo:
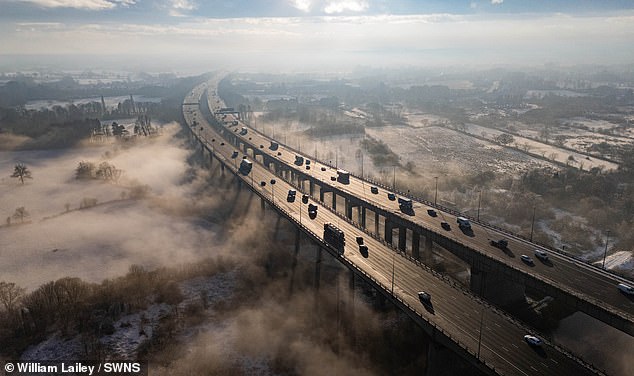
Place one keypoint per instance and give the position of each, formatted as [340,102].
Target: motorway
[455,310]
[575,277]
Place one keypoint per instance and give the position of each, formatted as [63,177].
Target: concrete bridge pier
[402,238]
[388,231]
[496,288]
[362,216]
[377,220]
[443,361]
[349,209]
[311,188]
[317,270]
[334,201]
[415,245]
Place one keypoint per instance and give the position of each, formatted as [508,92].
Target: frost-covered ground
[102,241]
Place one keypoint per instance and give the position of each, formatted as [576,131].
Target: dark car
[432,213]
[333,178]
[374,190]
[323,168]
[234,154]
[305,199]
[424,298]
[359,240]
[391,196]
[363,249]
[263,183]
[312,211]
[279,153]
[308,167]
[445,225]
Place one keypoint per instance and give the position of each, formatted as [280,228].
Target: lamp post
[479,201]
[394,178]
[273,190]
[436,194]
[605,252]
[533,222]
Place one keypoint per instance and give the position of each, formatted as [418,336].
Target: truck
[299,160]
[343,176]
[502,243]
[405,204]
[245,166]
[334,237]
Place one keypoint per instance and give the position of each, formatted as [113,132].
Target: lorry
[334,237]
[502,243]
[343,176]
[245,166]
[405,204]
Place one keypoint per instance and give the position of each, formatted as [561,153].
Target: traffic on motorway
[501,340]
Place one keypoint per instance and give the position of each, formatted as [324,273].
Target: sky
[313,34]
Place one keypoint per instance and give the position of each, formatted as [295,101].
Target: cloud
[82,4]
[303,5]
[345,5]
[496,2]
[178,8]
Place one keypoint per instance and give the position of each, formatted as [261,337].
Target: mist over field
[102,241]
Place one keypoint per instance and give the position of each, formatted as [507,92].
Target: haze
[186,35]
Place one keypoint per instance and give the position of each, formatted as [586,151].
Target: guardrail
[380,285]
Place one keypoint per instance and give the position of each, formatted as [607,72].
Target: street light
[436,195]
[533,222]
[273,190]
[479,201]
[607,237]
[394,178]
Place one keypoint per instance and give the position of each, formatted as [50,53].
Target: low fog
[273,322]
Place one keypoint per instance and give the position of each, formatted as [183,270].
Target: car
[312,211]
[363,249]
[527,259]
[391,196]
[502,244]
[308,167]
[359,240]
[305,199]
[308,161]
[432,213]
[263,183]
[333,178]
[374,190]
[463,223]
[234,154]
[532,340]
[279,153]
[323,168]
[424,298]
[222,144]
[445,225]
[261,146]
[542,255]
[625,289]
[291,195]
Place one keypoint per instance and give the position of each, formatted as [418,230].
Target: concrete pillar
[311,188]
[317,268]
[402,238]
[415,245]
[348,209]
[321,194]
[262,204]
[362,216]
[495,288]
[388,231]
[334,201]
[377,219]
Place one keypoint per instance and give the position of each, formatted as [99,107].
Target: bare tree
[10,295]
[21,171]
[21,213]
